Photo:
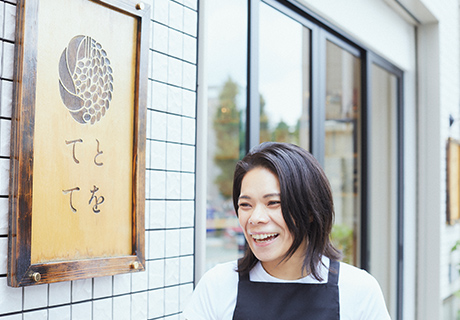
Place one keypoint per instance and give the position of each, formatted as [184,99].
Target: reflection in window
[284,78]
[342,154]
[226,74]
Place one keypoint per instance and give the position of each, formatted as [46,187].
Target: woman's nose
[259,215]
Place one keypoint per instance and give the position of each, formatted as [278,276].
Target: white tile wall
[176,43]
[159,96]
[174,128]
[158,125]
[173,184]
[3,216]
[173,214]
[186,269]
[102,287]
[159,63]
[187,215]
[11,298]
[156,269]
[59,293]
[193,4]
[102,309]
[121,283]
[5,136]
[82,311]
[190,22]
[186,241]
[122,307]
[156,303]
[185,292]
[139,306]
[158,214]
[161,11]
[59,313]
[172,270]
[175,71]
[12,317]
[161,290]
[82,290]
[157,244]
[160,37]
[176,15]
[171,300]
[173,152]
[3,254]
[36,315]
[139,281]
[188,186]
[35,297]
[189,103]
[9,22]
[172,243]
[4,176]
[8,55]
[174,99]
[7,98]
[2,17]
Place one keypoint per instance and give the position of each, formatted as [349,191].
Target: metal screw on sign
[36,276]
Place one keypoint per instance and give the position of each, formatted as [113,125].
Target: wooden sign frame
[21,272]
[453,181]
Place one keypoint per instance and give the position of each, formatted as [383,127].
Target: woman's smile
[262,239]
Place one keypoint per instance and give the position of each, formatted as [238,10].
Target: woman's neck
[288,269]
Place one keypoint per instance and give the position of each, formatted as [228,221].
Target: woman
[290,269]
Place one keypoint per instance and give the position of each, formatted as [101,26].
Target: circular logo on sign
[85,80]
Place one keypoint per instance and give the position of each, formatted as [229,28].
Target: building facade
[371,88]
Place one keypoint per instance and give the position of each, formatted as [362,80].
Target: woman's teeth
[264,236]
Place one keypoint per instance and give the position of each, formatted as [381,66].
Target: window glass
[226,36]
[284,78]
[342,154]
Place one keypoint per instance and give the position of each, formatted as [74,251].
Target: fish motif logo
[85,80]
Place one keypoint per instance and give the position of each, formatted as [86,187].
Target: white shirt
[215,296]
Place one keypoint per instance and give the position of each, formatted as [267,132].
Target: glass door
[342,151]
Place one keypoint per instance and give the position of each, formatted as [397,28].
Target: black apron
[285,301]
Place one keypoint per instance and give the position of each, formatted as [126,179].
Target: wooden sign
[77,188]
[453,181]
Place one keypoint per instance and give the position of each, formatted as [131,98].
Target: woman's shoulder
[222,271]
[215,295]
[220,279]
[360,294]
[356,277]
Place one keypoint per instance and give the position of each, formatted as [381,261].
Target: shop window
[284,78]
[226,35]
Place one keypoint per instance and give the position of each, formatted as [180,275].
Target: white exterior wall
[161,291]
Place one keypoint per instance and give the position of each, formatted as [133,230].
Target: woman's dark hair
[306,201]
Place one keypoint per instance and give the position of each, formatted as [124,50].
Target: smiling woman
[285,208]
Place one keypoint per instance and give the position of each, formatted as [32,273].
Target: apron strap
[333,276]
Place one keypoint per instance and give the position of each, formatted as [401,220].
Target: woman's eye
[274,203]
[244,205]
